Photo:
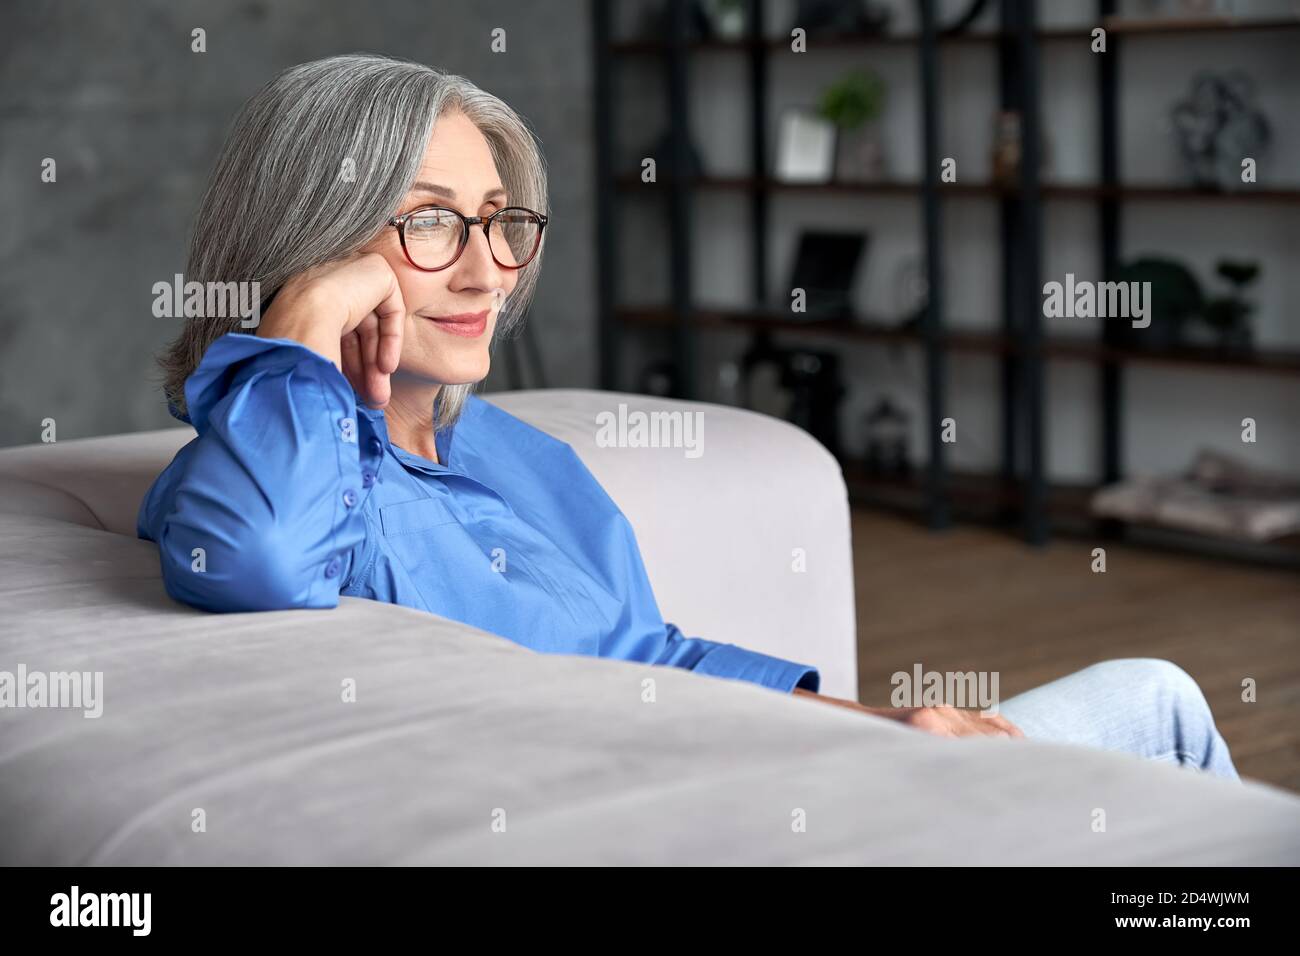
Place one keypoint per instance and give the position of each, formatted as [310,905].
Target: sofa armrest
[96,482]
[746,542]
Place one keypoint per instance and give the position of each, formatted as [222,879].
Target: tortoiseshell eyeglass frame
[399,222]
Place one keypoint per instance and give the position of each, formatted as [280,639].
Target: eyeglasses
[433,237]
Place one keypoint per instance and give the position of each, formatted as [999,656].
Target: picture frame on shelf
[806,147]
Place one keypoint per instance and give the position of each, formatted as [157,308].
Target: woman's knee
[1159,693]
[1164,679]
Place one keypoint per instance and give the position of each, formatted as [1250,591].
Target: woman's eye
[429,224]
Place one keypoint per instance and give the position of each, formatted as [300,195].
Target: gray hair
[277,203]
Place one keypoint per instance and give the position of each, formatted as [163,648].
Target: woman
[396,215]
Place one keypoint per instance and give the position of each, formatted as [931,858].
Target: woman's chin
[466,371]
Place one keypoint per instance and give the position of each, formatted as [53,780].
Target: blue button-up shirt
[292,494]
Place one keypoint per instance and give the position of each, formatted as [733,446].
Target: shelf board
[1156,192]
[1174,26]
[777,43]
[1268,361]
[966,490]
[1074,191]
[1285,362]
[757,320]
[983,495]
[743,183]
[1156,26]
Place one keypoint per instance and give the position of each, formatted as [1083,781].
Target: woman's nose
[478,264]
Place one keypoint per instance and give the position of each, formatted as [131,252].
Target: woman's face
[458,173]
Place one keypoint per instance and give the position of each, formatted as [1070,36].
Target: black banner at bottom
[334,906]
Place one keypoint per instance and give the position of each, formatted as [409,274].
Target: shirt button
[349,498]
[332,568]
[376,446]
[348,428]
[367,477]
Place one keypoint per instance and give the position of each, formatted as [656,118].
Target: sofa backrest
[723,535]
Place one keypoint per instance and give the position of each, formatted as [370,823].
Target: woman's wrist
[837,701]
[298,320]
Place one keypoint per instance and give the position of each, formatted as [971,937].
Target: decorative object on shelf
[762,376]
[825,267]
[1218,125]
[726,384]
[1181,312]
[828,18]
[1176,298]
[1008,150]
[659,377]
[886,453]
[1218,495]
[729,18]
[855,104]
[805,151]
[911,291]
[802,386]
[1228,315]
[816,392]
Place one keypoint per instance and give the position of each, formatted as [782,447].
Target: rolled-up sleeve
[259,512]
[736,663]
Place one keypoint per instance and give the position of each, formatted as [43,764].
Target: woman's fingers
[1011,728]
[956,722]
[376,389]
[354,369]
[323,305]
[391,316]
[999,726]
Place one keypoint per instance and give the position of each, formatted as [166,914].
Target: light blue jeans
[1145,706]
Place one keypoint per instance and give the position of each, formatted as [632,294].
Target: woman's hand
[940,721]
[350,311]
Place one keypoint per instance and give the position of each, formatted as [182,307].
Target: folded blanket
[1218,495]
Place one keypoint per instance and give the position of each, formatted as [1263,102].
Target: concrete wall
[134,120]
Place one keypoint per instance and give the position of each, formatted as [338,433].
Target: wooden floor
[974,598]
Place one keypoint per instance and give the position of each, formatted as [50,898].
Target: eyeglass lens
[433,237]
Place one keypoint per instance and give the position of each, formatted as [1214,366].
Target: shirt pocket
[411,517]
[437,558]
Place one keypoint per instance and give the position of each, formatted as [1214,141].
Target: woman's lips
[468,324]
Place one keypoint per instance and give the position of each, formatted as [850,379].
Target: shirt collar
[442,440]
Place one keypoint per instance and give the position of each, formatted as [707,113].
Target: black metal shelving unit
[1020,492]
[938,508]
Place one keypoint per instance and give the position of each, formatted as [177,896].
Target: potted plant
[729,18]
[854,105]
[1228,315]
